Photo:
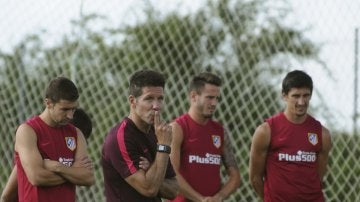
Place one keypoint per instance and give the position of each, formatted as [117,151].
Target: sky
[330,24]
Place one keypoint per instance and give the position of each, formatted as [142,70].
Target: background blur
[251,44]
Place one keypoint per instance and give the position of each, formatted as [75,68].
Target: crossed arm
[81,172]
[152,182]
[48,172]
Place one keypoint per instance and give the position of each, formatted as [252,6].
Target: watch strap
[163,148]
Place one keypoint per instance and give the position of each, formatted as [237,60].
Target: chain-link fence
[250,44]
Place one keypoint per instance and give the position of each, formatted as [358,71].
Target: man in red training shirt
[50,153]
[81,120]
[201,145]
[289,151]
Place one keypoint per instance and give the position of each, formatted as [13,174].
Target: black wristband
[163,148]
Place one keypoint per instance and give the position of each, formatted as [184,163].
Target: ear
[193,95]
[48,103]
[132,101]
[284,96]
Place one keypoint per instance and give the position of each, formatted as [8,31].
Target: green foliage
[179,46]
[346,183]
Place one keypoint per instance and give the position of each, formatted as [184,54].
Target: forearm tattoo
[228,155]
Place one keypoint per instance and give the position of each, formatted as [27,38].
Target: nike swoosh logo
[193,140]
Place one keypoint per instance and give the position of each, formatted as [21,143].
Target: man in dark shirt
[141,134]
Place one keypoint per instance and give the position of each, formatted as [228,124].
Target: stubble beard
[208,116]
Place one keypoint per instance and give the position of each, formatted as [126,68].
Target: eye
[148,98]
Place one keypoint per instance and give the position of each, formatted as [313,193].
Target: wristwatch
[163,148]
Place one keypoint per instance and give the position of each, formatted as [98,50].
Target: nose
[157,105]
[301,100]
[214,101]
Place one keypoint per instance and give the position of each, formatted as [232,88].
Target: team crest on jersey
[216,140]
[70,143]
[313,138]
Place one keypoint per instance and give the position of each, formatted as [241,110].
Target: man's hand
[163,130]
[219,197]
[215,198]
[144,163]
[84,162]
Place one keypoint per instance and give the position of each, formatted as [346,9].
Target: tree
[239,40]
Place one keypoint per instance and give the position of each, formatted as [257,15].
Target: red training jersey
[54,143]
[292,162]
[201,152]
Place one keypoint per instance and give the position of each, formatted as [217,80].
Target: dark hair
[199,81]
[145,78]
[82,121]
[296,79]
[61,88]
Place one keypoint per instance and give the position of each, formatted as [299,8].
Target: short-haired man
[289,151]
[81,120]
[201,145]
[50,153]
[140,135]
